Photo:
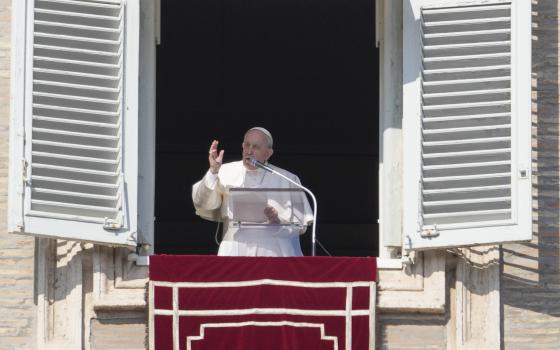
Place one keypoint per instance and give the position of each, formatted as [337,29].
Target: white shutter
[79,162]
[466,123]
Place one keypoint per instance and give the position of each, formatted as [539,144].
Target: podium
[247,206]
[250,303]
[246,215]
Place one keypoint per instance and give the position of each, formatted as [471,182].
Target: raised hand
[215,158]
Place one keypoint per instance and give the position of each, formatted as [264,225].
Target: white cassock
[211,199]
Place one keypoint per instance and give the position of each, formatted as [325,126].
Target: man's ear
[270,152]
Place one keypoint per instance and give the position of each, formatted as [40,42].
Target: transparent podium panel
[247,206]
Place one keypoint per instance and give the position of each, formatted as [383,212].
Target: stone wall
[16,252]
[531,271]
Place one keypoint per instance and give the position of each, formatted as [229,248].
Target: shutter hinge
[429,231]
[111,224]
[24,170]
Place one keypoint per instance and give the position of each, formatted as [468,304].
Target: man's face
[255,146]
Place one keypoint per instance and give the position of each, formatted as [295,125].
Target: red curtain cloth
[254,303]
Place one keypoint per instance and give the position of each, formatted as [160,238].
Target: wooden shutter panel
[471,156]
[82,84]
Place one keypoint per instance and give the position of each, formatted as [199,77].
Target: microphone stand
[261,165]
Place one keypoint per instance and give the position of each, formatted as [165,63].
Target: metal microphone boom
[262,165]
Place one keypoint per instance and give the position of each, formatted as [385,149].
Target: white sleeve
[210,180]
[205,194]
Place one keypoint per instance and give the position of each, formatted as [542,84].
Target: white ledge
[389,264]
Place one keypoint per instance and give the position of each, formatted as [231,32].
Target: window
[74,127]
[466,122]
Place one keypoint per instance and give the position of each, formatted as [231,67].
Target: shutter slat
[468,213]
[467,84]
[461,10]
[464,81]
[77,158]
[493,216]
[465,165]
[76,170]
[77,194]
[428,72]
[468,193]
[468,153]
[466,105]
[467,201]
[75,38]
[97,186]
[81,3]
[453,94]
[86,64]
[66,50]
[77,74]
[466,141]
[466,129]
[465,57]
[476,214]
[78,26]
[474,32]
[455,145]
[475,21]
[77,110]
[77,122]
[465,117]
[79,134]
[468,169]
[111,103]
[463,190]
[77,146]
[475,60]
[466,177]
[454,49]
[77,86]
[71,207]
[116,19]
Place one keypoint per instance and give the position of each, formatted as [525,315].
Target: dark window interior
[307,70]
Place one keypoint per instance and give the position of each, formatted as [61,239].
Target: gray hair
[265,132]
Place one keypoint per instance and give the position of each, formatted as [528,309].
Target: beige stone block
[8,331]
[15,268]
[118,333]
[8,240]
[15,322]
[426,335]
[16,253]
[13,298]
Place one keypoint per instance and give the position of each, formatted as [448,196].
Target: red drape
[262,303]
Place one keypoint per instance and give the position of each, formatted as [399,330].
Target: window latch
[111,224]
[429,231]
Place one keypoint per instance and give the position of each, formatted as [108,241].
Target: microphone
[259,164]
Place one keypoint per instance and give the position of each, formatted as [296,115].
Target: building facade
[83,290]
